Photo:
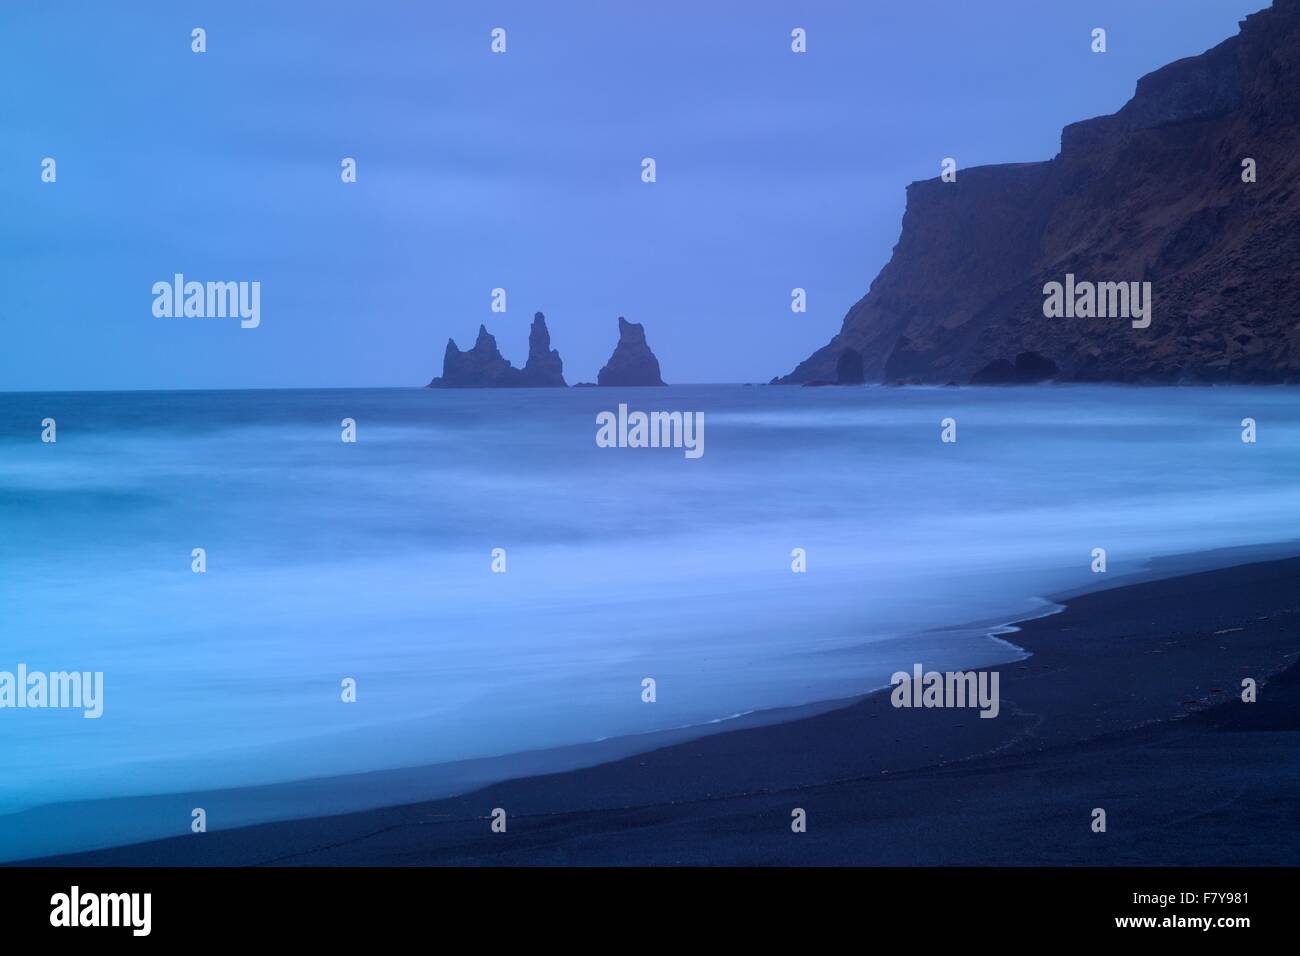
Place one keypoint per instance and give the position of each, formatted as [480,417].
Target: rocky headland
[1191,186]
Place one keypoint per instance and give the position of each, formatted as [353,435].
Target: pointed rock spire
[632,362]
[484,366]
[544,368]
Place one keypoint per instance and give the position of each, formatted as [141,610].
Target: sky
[518,170]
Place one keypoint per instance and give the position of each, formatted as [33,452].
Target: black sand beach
[1130,702]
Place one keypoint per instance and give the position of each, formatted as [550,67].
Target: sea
[497,591]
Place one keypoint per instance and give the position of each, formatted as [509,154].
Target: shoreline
[137,815]
[1135,683]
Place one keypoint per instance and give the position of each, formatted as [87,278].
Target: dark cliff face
[483,366]
[632,362]
[1153,193]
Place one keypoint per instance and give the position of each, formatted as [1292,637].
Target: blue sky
[520,171]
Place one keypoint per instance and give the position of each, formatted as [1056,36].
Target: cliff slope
[1153,193]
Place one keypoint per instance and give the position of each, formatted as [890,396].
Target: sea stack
[484,366]
[544,368]
[632,362]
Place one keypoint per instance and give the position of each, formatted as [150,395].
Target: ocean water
[372,561]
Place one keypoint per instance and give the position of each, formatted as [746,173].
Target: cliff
[1153,193]
[483,366]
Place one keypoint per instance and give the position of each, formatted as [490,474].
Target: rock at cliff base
[848,370]
[1028,369]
